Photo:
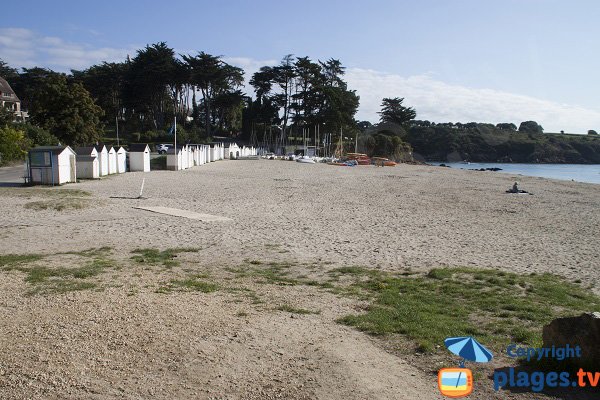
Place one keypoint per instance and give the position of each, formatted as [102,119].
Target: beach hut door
[73,172]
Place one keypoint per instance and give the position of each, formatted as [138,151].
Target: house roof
[138,147]
[84,151]
[99,147]
[5,88]
[52,149]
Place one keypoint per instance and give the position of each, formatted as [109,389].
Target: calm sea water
[576,172]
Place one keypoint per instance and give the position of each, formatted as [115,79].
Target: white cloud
[434,100]
[24,48]
[441,102]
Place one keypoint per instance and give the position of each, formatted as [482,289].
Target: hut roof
[84,151]
[52,149]
[138,147]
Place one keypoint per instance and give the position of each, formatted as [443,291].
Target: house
[121,159]
[9,100]
[102,159]
[112,161]
[88,166]
[52,165]
[139,157]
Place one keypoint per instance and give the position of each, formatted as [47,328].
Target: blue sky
[462,61]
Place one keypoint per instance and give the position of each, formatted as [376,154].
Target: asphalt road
[12,176]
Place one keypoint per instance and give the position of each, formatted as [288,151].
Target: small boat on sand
[305,160]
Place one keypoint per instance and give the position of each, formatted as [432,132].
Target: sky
[452,60]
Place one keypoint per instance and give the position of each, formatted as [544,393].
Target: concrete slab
[185,214]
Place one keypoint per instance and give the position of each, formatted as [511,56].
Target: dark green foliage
[39,136]
[7,72]
[486,143]
[66,110]
[530,127]
[13,144]
[296,95]
[592,132]
[392,111]
[507,126]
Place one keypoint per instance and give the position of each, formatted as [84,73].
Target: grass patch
[9,261]
[157,257]
[294,310]
[43,193]
[60,279]
[62,286]
[60,204]
[273,272]
[192,284]
[496,307]
[92,252]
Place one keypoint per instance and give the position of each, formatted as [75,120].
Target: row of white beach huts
[56,165]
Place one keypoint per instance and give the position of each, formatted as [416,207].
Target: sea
[589,173]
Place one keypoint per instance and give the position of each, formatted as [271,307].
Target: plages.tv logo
[458,382]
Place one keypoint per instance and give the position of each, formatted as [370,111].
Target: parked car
[162,148]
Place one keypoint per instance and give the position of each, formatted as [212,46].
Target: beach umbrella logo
[458,382]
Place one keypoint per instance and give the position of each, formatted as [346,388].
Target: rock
[582,331]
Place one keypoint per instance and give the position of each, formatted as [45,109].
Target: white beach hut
[139,157]
[175,158]
[112,161]
[184,157]
[102,159]
[196,155]
[190,154]
[121,159]
[52,165]
[205,156]
[87,163]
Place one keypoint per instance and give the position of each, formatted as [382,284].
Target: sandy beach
[127,341]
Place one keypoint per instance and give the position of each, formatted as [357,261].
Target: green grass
[43,193]
[271,273]
[8,261]
[92,252]
[157,257]
[192,283]
[294,310]
[60,204]
[496,307]
[45,279]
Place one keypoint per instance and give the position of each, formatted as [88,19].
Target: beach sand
[127,341]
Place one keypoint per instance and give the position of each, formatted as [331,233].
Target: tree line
[144,95]
[298,100]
